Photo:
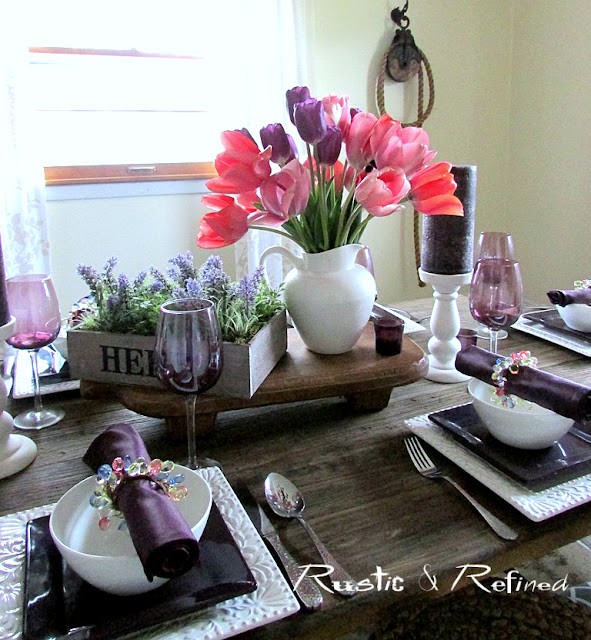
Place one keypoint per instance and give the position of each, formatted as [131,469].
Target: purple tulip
[310,121]
[329,148]
[282,145]
[293,96]
[354,111]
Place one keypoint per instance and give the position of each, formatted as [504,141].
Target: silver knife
[307,590]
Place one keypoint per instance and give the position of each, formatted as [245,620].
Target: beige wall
[549,209]
[512,89]
[469,123]
[140,231]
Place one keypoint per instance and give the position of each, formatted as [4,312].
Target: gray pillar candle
[4,313]
[448,241]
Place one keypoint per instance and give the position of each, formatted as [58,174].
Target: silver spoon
[286,501]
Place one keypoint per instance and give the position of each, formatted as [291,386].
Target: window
[141,90]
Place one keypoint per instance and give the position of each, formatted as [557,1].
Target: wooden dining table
[364,498]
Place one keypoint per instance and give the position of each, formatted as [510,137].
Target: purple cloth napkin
[162,538]
[569,296]
[567,398]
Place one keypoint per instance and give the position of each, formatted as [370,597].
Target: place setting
[568,322]
[148,545]
[525,434]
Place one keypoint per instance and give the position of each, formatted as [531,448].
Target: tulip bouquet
[323,202]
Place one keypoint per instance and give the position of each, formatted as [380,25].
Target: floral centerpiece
[355,167]
[113,330]
[324,201]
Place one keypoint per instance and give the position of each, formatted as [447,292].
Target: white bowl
[527,426]
[576,316]
[108,559]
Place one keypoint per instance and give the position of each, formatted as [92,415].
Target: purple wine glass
[495,244]
[32,300]
[496,295]
[188,355]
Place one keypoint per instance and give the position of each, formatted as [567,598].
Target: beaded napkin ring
[110,478]
[510,364]
[582,284]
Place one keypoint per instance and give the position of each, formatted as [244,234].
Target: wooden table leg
[373,400]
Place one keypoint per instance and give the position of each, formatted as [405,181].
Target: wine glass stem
[191,444]
[494,335]
[38,405]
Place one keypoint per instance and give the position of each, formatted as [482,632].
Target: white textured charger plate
[547,333]
[535,505]
[273,599]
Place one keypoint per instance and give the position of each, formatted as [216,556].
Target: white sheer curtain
[259,48]
[23,225]
[273,63]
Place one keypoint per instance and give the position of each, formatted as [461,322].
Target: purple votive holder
[467,338]
[389,331]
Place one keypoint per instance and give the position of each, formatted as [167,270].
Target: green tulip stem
[342,229]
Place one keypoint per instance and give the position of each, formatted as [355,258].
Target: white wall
[512,96]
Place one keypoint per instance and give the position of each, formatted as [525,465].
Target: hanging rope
[422,115]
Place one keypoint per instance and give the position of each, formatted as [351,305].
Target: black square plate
[551,319]
[536,469]
[59,604]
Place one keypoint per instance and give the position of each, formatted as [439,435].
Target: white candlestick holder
[16,451]
[445,324]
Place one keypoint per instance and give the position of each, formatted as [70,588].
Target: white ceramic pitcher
[329,297]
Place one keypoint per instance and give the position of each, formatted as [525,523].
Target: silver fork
[425,467]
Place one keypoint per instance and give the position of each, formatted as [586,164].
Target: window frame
[118,173]
[102,174]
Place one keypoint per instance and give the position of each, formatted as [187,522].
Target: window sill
[124,189]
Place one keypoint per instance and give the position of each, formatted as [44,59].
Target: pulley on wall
[403,61]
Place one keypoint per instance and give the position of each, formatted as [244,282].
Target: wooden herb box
[125,359]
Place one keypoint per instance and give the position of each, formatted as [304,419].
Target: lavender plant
[119,305]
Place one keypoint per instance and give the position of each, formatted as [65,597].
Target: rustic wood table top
[364,498]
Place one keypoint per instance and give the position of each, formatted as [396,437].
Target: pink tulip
[380,191]
[222,228]
[385,129]
[431,191]
[285,194]
[247,200]
[265,218]
[216,201]
[242,166]
[357,144]
[337,112]
[404,147]
[239,141]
